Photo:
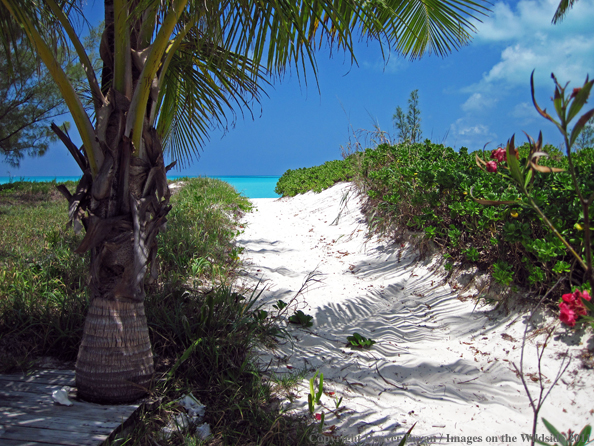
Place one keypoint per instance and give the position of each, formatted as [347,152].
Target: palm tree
[171,69]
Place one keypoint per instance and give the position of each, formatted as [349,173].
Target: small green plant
[313,399]
[337,402]
[502,273]
[571,439]
[358,341]
[523,173]
[280,305]
[471,254]
[561,267]
[300,318]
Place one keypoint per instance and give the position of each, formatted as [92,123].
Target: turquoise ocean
[250,186]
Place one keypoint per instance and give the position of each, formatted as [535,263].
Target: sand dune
[442,362]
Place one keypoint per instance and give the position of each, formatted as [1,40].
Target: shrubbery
[428,188]
[315,178]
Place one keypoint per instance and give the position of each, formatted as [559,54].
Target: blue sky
[478,94]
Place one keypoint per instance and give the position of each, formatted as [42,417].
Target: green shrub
[316,178]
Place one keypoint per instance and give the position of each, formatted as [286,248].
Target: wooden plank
[67,424]
[53,437]
[6,442]
[29,416]
[79,410]
[31,387]
[63,378]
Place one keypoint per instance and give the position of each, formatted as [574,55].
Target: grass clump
[42,295]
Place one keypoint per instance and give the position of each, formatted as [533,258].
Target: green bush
[316,178]
[428,187]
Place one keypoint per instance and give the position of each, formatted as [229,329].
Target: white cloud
[566,58]
[525,111]
[468,132]
[478,102]
[529,41]
[393,65]
[525,39]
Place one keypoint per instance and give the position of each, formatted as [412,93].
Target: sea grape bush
[427,188]
[316,178]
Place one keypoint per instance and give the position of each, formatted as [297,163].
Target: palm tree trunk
[122,210]
[115,361]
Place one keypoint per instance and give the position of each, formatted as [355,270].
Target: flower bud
[492,166]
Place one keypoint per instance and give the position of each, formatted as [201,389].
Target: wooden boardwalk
[29,417]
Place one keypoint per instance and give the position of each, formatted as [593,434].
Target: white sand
[439,361]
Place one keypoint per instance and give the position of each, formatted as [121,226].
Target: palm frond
[204,88]
[564,6]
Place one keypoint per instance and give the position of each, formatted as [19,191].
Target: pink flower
[318,416]
[491,166]
[567,315]
[569,298]
[499,155]
[572,306]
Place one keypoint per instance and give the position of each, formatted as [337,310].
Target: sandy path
[439,361]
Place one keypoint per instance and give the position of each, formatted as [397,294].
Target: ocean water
[250,186]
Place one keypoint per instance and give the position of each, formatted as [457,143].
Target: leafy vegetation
[300,318]
[202,327]
[359,341]
[426,188]
[315,178]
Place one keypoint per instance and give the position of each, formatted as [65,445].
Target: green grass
[194,311]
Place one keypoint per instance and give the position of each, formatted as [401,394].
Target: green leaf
[184,357]
[558,103]
[584,436]
[560,438]
[580,99]
[403,441]
[579,126]
[542,112]
[513,163]
[589,305]
[528,178]
[320,388]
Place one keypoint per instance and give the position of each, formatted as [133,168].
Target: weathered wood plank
[81,410]
[53,437]
[6,442]
[67,424]
[31,387]
[58,378]
[29,416]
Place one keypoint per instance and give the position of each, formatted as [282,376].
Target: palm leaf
[204,89]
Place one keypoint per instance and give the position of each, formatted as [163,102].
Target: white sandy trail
[439,361]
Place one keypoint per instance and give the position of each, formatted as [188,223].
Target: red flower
[572,307]
[569,298]
[567,315]
[491,166]
[318,416]
[499,155]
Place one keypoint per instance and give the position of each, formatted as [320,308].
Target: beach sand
[442,361]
